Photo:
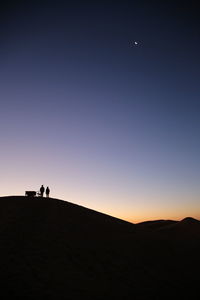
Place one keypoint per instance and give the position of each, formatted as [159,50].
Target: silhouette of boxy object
[30,193]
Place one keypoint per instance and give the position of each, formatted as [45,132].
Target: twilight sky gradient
[106,124]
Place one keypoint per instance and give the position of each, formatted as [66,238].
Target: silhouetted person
[47,192]
[42,191]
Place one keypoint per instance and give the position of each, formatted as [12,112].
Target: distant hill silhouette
[55,249]
[156,224]
[188,228]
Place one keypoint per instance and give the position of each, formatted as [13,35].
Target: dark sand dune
[187,228]
[55,249]
[155,225]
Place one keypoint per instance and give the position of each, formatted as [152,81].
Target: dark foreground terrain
[55,249]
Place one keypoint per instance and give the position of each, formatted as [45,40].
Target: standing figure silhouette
[42,191]
[47,192]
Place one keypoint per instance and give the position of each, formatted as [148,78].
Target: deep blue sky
[106,124]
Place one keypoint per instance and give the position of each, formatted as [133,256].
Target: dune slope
[52,248]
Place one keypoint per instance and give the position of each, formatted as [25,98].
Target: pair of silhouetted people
[42,189]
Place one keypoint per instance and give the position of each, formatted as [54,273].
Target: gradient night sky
[106,124]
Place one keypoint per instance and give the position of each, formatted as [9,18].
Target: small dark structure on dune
[31,193]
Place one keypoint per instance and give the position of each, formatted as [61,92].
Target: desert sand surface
[55,249]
